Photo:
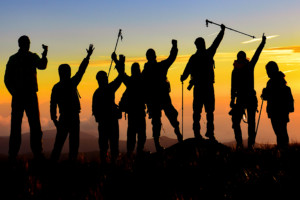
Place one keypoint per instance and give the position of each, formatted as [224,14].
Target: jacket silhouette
[65,96]
[280,102]
[106,112]
[136,109]
[243,95]
[157,95]
[201,68]
[21,81]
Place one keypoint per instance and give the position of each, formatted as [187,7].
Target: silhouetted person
[136,109]
[21,81]
[201,68]
[106,111]
[157,93]
[280,103]
[243,95]
[65,96]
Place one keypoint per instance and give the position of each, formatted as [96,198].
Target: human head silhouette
[64,71]
[241,56]
[102,78]
[150,55]
[24,43]
[135,69]
[272,68]
[200,43]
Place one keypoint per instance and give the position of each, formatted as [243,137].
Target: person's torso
[202,71]
[67,97]
[24,71]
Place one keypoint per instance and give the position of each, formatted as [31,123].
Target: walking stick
[119,35]
[182,108]
[262,103]
[207,21]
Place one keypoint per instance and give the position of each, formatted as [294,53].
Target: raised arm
[42,62]
[125,79]
[120,66]
[79,74]
[258,51]
[217,41]
[172,57]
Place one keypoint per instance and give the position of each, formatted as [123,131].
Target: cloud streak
[259,39]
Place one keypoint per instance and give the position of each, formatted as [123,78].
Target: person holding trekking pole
[280,103]
[201,68]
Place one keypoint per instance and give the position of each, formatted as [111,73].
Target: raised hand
[45,47]
[174,42]
[264,37]
[122,58]
[114,56]
[223,26]
[121,65]
[90,50]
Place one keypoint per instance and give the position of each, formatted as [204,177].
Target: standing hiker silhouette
[280,103]
[65,96]
[158,93]
[243,95]
[106,112]
[201,68]
[133,103]
[21,81]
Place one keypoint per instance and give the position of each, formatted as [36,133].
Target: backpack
[290,100]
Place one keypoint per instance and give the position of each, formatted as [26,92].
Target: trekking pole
[119,35]
[262,103]
[182,108]
[207,21]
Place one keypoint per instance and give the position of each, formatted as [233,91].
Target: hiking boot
[179,135]
[211,138]
[158,147]
[209,134]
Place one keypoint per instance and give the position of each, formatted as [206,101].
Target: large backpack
[290,99]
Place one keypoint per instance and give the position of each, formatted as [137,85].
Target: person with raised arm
[21,81]
[158,93]
[243,95]
[65,96]
[106,112]
[201,68]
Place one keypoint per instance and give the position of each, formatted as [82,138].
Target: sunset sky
[68,27]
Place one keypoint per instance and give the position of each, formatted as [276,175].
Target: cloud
[292,49]
[259,39]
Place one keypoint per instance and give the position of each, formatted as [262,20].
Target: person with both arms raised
[133,103]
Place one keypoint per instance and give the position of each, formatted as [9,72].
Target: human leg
[33,115]
[74,128]
[61,136]
[15,130]
[197,109]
